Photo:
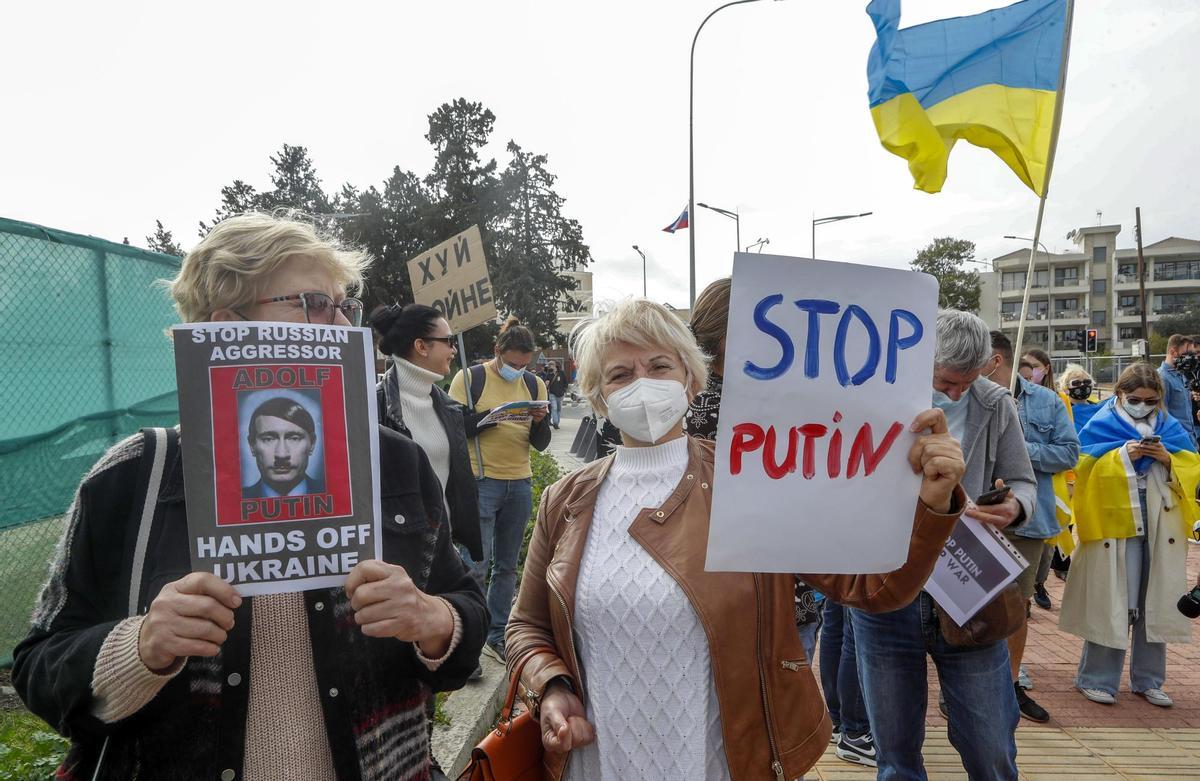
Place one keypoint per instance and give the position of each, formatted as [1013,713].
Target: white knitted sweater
[421,421]
[642,648]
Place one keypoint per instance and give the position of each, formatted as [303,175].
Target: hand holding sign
[938,457]
[388,604]
[191,616]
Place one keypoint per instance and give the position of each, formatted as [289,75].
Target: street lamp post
[1049,296]
[758,244]
[733,215]
[692,153]
[824,220]
[643,254]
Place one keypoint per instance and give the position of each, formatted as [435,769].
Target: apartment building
[1093,286]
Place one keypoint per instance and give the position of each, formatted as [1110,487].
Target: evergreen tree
[295,185]
[945,258]
[163,241]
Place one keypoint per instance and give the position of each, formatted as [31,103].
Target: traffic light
[1090,342]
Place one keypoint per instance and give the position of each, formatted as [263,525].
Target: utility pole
[1141,276]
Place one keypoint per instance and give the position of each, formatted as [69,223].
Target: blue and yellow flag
[991,79]
[1106,494]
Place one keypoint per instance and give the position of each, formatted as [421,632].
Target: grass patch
[25,553]
[29,749]
[545,473]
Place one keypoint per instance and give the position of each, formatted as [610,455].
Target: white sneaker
[1099,695]
[835,737]
[1023,679]
[1156,697]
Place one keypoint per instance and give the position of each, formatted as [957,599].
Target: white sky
[121,112]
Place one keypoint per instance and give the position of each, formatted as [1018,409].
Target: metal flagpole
[1059,99]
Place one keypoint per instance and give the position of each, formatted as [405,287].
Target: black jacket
[462,497]
[195,727]
[556,383]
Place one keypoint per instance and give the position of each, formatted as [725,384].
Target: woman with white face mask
[1130,565]
[640,664]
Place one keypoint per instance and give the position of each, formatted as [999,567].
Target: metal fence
[1105,369]
[86,363]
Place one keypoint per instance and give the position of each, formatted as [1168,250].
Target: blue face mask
[945,403]
[509,373]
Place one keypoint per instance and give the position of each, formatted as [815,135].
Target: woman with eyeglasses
[500,460]
[1134,509]
[201,682]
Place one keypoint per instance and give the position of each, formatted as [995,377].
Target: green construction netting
[86,363]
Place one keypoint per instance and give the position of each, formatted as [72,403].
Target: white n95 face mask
[647,409]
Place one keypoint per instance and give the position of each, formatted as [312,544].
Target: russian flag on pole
[680,222]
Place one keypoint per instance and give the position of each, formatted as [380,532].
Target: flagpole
[1060,99]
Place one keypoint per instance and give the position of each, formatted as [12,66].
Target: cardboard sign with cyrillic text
[280,452]
[826,367]
[453,279]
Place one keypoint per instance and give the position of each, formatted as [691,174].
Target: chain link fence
[86,363]
[1104,369]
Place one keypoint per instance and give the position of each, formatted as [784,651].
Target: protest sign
[826,366]
[976,564]
[279,451]
[453,279]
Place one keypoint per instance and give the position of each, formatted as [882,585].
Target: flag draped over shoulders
[1106,503]
[991,79]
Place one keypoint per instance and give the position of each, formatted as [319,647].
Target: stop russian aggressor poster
[279,440]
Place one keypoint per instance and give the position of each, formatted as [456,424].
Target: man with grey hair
[892,647]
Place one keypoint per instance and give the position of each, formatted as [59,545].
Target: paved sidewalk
[1083,740]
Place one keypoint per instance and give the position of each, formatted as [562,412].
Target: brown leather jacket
[773,717]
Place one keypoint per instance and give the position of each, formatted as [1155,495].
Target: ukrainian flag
[1106,493]
[990,79]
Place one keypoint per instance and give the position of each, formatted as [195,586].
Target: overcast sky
[121,112]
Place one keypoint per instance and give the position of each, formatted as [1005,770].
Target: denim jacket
[1053,447]
[1177,397]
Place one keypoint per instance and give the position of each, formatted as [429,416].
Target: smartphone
[1151,440]
[993,497]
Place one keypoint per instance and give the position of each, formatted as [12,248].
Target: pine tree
[295,186]
[163,241]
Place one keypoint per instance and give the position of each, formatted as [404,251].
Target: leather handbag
[513,750]
[995,621]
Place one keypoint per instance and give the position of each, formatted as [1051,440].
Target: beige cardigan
[1094,604]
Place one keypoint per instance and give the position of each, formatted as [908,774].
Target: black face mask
[1080,392]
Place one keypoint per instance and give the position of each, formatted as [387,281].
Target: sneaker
[1098,695]
[1030,709]
[475,676]
[1023,679]
[1041,597]
[494,651]
[836,736]
[860,750]
[1156,697]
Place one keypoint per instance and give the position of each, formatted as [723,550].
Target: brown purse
[995,621]
[513,750]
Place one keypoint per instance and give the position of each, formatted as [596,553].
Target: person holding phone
[893,648]
[1131,563]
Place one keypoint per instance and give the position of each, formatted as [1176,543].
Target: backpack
[477,377]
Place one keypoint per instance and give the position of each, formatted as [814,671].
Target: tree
[295,186]
[163,241]
[944,258]
[1187,323]
[533,243]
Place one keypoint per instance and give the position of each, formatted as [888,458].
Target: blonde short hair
[230,266]
[640,323]
[1071,372]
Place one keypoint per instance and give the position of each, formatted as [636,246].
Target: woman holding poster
[157,671]
[1131,562]
[689,674]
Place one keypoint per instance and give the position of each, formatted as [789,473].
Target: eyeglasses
[1139,400]
[451,340]
[1079,383]
[319,308]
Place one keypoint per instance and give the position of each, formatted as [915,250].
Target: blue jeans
[839,672]
[1100,666]
[504,512]
[977,683]
[555,409]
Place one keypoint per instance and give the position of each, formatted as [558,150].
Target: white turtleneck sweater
[422,422]
[644,653]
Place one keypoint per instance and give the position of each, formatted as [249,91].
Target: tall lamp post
[1049,296]
[733,215]
[825,220]
[692,153]
[643,254]
[758,244]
